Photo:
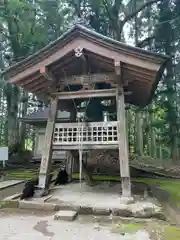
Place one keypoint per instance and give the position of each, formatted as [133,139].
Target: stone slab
[101,211]
[42,199]
[137,210]
[9,183]
[68,206]
[66,215]
[12,197]
[36,205]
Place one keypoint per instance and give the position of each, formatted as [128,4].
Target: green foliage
[27,26]
[16,149]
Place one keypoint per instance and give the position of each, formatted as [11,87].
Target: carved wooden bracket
[78,51]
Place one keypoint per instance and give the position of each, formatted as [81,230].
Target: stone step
[65,215]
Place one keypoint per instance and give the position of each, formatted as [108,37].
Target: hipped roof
[143,69]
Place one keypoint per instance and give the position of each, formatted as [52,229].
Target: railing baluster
[96,133]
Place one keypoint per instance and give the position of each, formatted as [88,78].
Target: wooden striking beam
[46,74]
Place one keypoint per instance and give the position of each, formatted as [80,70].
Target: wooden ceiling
[140,70]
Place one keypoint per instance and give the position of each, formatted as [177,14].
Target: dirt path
[33,226]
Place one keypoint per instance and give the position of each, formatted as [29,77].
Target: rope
[80,128]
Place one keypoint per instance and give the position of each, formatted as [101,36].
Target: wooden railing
[91,134]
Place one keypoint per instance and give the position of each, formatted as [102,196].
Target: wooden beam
[91,78]
[46,159]
[117,66]
[69,155]
[46,74]
[69,165]
[85,94]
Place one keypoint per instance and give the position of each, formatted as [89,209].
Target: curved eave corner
[158,78]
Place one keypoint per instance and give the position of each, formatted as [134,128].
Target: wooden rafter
[41,87]
[35,83]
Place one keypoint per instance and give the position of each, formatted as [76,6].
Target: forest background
[28,25]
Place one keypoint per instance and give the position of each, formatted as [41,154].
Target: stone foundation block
[85,210]
[37,205]
[122,212]
[67,206]
[66,215]
[12,197]
[101,211]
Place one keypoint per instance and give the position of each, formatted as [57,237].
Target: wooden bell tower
[81,65]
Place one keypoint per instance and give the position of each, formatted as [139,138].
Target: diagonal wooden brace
[46,159]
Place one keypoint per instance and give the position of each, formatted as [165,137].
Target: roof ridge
[86,30]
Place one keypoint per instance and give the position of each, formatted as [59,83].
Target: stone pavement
[10,187]
[9,183]
[30,227]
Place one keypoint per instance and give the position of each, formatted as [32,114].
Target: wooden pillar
[69,165]
[69,155]
[46,159]
[123,145]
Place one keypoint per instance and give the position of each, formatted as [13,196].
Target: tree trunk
[13,130]
[139,134]
[23,125]
[153,144]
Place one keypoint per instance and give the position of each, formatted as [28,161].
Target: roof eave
[156,82]
[91,34]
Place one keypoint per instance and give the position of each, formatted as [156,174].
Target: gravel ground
[104,195]
[17,226]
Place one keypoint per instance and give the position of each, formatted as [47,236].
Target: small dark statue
[30,186]
[62,177]
[29,189]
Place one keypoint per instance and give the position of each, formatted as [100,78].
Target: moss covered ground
[170,185]
[157,230]
[164,232]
